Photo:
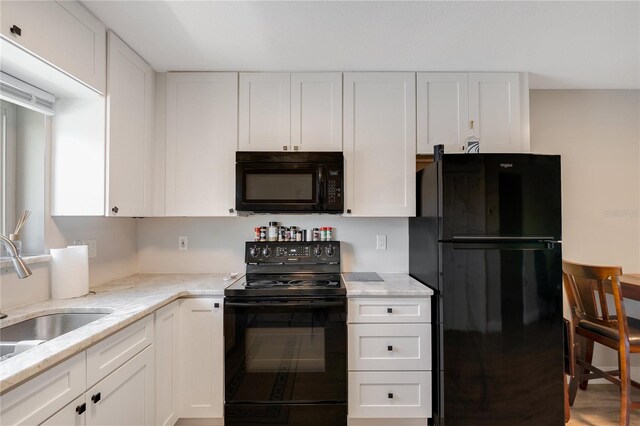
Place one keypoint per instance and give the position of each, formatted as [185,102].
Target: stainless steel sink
[45,327]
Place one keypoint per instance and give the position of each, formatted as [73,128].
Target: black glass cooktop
[287,285]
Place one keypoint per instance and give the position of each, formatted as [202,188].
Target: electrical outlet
[183,243]
[92,247]
[381,242]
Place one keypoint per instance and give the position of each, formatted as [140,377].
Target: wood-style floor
[599,405]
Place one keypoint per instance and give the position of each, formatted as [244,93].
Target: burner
[320,283]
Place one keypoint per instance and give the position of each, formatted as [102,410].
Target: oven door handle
[306,304]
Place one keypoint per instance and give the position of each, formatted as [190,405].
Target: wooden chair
[570,348]
[586,288]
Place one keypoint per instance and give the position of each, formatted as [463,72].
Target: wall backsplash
[217,244]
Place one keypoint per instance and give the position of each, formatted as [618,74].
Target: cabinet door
[41,397]
[126,396]
[201,358]
[265,112]
[62,33]
[166,364]
[443,110]
[380,143]
[71,415]
[130,124]
[316,111]
[494,106]
[202,125]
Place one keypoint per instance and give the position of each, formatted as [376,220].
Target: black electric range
[286,337]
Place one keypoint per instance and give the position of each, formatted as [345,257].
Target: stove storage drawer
[389,347]
[389,310]
[390,394]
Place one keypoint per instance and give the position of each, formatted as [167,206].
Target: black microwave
[290,182]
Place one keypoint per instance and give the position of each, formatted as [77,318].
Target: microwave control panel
[334,186]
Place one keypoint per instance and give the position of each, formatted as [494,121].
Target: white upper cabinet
[290,112]
[380,143]
[497,103]
[201,132]
[62,33]
[265,112]
[494,106]
[130,132]
[316,111]
[443,110]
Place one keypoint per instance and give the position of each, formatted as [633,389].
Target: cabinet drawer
[111,353]
[43,396]
[389,310]
[390,394]
[389,347]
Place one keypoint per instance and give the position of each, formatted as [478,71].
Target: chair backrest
[587,286]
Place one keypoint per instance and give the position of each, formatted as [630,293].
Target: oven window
[271,350]
[279,187]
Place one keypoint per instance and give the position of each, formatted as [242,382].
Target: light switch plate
[183,243]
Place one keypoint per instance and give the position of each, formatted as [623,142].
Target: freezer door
[500,196]
[502,350]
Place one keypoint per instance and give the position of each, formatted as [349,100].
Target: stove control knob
[266,252]
[317,250]
[330,251]
[254,252]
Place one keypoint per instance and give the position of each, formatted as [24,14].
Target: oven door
[285,351]
[279,187]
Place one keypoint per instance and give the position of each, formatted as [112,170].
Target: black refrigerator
[487,239]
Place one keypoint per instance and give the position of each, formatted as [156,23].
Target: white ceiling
[572,45]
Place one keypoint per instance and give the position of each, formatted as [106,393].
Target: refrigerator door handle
[536,238]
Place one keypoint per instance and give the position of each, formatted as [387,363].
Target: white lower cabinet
[390,394]
[111,383]
[35,401]
[201,358]
[126,396]
[389,361]
[167,328]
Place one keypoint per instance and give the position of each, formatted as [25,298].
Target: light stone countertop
[394,285]
[127,300]
[132,298]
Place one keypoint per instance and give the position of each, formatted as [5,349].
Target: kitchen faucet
[20,267]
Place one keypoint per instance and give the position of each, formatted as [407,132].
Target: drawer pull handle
[390,395]
[95,398]
[390,348]
[81,408]
[389,310]
[16,30]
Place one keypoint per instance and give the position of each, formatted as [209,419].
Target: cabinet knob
[231,210]
[95,398]
[284,147]
[389,310]
[295,148]
[348,211]
[216,305]
[16,30]
[390,395]
[390,348]
[81,408]
[115,209]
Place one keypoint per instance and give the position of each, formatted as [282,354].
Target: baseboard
[199,422]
